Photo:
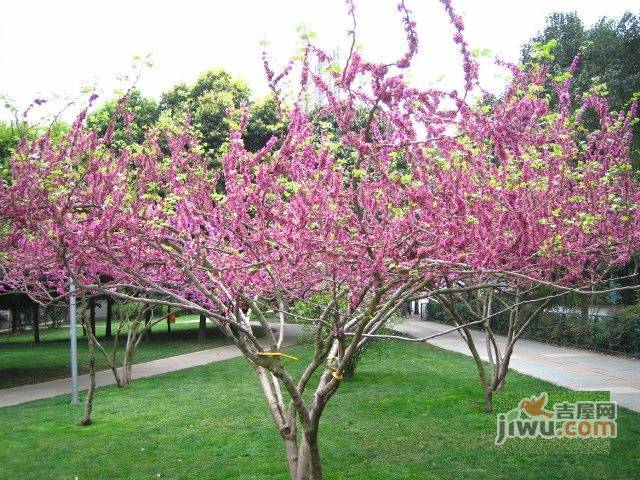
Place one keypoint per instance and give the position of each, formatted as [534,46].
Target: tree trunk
[88,403]
[291,450]
[116,375]
[202,329]
[309,466]
[92,315]
[350,368]
[285,422]
[126,367]
[35,317]
[133,337]
[488,397]
[487,387]
[147,321]
[503,368]
[107,325]
[126,372]
[14,317]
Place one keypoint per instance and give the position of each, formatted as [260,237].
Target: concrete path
[568,367]
[53,388]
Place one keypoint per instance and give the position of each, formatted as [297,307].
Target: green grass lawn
[411,412]
[22,362]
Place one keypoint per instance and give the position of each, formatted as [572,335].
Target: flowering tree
[566,190]
[137,320]
[429,195]
[570,189]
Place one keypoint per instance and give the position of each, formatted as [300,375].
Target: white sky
[55,47]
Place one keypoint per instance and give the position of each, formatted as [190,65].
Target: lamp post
[74,343]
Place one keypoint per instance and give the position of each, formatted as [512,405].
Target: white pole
[74,344]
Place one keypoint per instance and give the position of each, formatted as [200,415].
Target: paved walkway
[568,367]
[53,388]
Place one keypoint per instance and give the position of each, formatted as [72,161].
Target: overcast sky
[55,47]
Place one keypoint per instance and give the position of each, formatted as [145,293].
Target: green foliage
[603,333]
[543,52]
[12,133]
[566,31]
[176,99]
[145,114]
[575,328]
[9,140]
[263,123]
[610,58]
[311,307]
[207,102]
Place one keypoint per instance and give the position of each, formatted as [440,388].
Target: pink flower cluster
[384,184]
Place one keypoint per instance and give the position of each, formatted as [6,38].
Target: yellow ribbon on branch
[335,374]
[276,354]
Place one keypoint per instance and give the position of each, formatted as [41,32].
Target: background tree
[609,58]
[207,102]
[263,123]
[144,113]
[9,139]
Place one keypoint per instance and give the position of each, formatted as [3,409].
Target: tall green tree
[13,132]
[264,122]
[207,102]
[610,57]
[145,110]
[9,139]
